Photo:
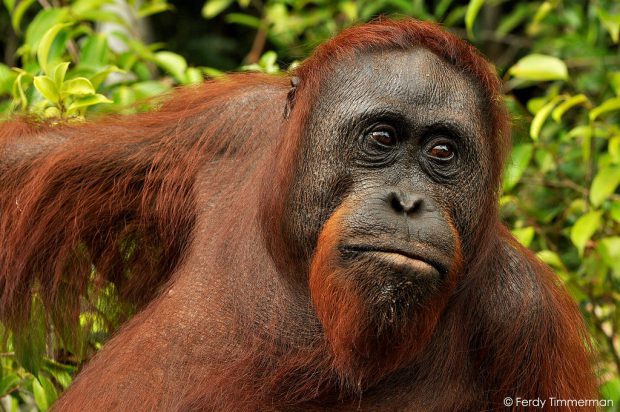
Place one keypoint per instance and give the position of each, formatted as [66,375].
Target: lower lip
[400,260]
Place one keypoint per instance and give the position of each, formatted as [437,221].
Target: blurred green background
[65,60]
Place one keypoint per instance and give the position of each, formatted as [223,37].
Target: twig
[564,184]
[258,45]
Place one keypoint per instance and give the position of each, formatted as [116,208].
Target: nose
[405,203]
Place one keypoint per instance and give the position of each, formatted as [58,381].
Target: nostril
[404,202]
[396,203]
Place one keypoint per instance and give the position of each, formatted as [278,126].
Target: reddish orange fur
[174,207]
[359,355]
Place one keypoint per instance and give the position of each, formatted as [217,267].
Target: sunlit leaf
[607,106]
[47,88]
[172,63]
[41,23]
[8,382]
[87,101]
[100,76]
[153,8]
[473,8]
[519,159]
[524,235]
[44,392]
[539,67]
[604,184]
[584,228]
[550,258]
[609,248]
[567,105]
[611,389]
[614,210]
[80,6]
[58,73]
[46,44]
[611,22]
[19,11]
[95,51]
[80,86]
[214,7]
[541,116]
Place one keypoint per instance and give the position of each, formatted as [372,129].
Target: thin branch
[563,184]
[258,45]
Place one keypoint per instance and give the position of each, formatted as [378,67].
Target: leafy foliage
[559,60]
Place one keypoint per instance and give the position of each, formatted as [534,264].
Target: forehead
[416,83]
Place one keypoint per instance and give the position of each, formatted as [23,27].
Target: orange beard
[368,334]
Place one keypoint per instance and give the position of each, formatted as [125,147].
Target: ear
[290,97]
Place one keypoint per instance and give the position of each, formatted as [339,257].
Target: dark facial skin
[397,137]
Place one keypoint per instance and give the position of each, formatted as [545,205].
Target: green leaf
[214,7]
[473,8]
[30,343]
[604,184]
[8,383]
[95,51]
[519,159]
[59,72]
[613,148]
[442,8]
[584,228]
[567,105]
[153,8]
[172,63]
[541,116]
[47,88]
[349,9]
[524,235]
[18,89]
[149,88]
[550,258]
[42,22]
[10,4]
[46,44]
[614,81]
[539,67]
[82,6]
[611,390]
[611,22]
[44,392]
[614,211]
[609,248]
[100,76]
[18,13]
[40,396]
[102,16]
[542,12]
[80,86]
[7,77]
[243,19]
[193,76]
[607,106]
[62,373]
[85,102]
[514,19]
[52,112]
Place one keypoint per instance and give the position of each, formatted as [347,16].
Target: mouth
[399,258]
